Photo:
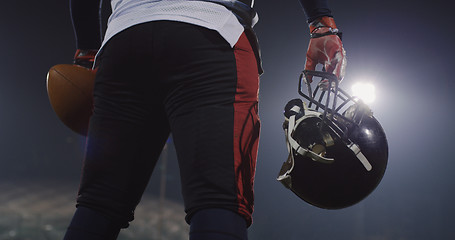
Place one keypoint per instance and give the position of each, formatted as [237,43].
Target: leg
[217,223]
[91,225]
[127,132]
[214,120]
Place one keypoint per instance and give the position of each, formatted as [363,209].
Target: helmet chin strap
[285,173]
[293,145]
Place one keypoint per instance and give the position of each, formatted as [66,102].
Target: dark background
[404,47]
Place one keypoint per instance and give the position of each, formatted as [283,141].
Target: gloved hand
[326,48]
[85,58]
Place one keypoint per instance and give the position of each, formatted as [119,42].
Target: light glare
[364,91]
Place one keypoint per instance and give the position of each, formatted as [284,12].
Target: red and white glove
[85,58]
[326,48]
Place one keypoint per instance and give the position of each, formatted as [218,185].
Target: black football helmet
[337,150]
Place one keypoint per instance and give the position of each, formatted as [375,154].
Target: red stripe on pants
[246,125]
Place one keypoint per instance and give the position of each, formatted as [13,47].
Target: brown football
[70,91]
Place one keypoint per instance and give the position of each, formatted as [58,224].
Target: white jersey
[127,13]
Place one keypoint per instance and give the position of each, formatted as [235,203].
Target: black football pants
[168,77]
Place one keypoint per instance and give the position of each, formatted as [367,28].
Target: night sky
[404,47]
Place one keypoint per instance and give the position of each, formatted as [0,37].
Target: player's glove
[85,58]
[326,48]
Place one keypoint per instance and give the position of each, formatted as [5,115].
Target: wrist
[85,57]
[324,26]
[85,53]
[324,23]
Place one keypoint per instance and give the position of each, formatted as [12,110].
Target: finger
[337,64]
[339,68]
[310,64]
[344,62]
